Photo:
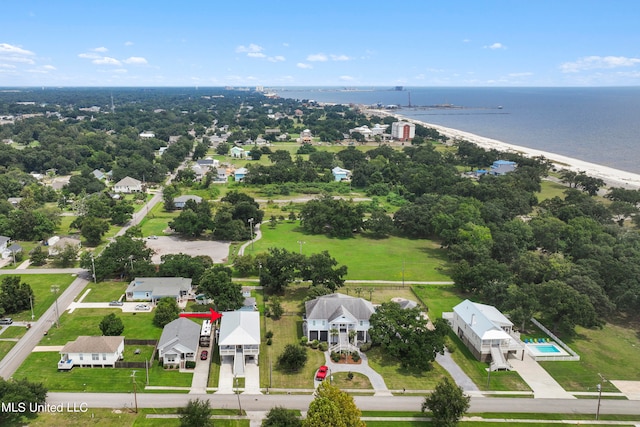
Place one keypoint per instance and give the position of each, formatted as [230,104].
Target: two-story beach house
[486,332]
[239,338]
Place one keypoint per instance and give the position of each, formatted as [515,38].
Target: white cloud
[252,48]
[523,74]
[347,78]
[128,43]
[317,57]
[304,66]
[256,55]
[466,40]
[277,58]
[100,49]
[106,61]
[496,46]
[6,48]
[89,55]
[7,66]
[138,60]
[49,67]
[598,62]
[340,58]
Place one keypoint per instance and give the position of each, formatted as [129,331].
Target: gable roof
[85,344]
[486,321]
[181,334]
[4,240]
[334,305]
[186,198]
[239,328]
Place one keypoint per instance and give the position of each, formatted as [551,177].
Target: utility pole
[31,304]
[93,266]
[300,242]
[250,221]
[55,289]
[599,387]
[135,394]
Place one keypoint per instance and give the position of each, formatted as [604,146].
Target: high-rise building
[403,131]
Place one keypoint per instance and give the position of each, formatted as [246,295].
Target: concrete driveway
[163,245]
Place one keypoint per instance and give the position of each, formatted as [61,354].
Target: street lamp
[135,394]
[31,304]
[250,221]
[599,388]
[300,242]
[93,266]
[55,289]
[238,394]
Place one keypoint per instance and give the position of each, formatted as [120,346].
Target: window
[104,356]
[314,323]
[361,323]
[81,356]
[323,323]
[95,356]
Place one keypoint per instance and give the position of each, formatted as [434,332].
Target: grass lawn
[157,220]
[43,367]
[214,367]
[396,377]
[120,418]
[43,297]
[87,321]
[286,330]
[550,189]
[13,332]
[359,381]
[611,351]
[367,259]
[437,298]
[105,291]
[5,347]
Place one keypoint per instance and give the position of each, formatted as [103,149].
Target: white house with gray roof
[239,338]
[339,312]
[179,342]
[127,185]
[103,351]
[486,332]
[180,201]
[154,288]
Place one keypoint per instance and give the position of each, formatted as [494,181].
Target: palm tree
[334,333]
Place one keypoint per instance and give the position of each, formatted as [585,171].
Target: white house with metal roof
[103,351]
[154,288]
[127,185]
[179,342]
[339,313]
[180,201]
[486,332]
[239,338]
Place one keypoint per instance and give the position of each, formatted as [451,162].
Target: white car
[143,307]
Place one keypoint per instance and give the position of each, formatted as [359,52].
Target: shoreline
[612,177]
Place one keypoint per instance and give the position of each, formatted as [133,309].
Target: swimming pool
[546,349]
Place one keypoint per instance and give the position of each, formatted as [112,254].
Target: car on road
[204,355]
[153,237]
[143,307]
[322,373]
[116,303]
[6,321]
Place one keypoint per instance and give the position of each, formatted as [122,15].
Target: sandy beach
[613,177]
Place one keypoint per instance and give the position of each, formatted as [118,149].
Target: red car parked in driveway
[204,355]
[322,373]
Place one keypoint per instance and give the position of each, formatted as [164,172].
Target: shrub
[335,356]
[355,356]
[293,358]
[314,344]
[189,364]
[323,346]
[269,341]
[350,376]
[303,341]
[269,334]
[365,347]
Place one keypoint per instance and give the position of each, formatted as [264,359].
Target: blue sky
[320,43]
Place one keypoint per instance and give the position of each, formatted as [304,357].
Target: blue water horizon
[595,124]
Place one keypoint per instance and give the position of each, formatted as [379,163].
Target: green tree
[182,265]
[404,334]
[332,407]
[66,257]
[194,219]
[38,256]
[293,358]
[379,224]
[279,269]
[281,417]
[216,284]
[93,229]
[15,392]
[335,217]
[565,307]
[15,296]
[111,325]
[168,194]
[447,403]
[275,307]
[166,312]
[319,269]
[121,212]
[196,413]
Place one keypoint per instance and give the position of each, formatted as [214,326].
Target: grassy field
[13,332]
[43,297]
[611,351]
[105,291]
[5,347]
[43,367]
[359,381]
[367,259]
[156,221]
[437,298]
[87,321]
[550,189]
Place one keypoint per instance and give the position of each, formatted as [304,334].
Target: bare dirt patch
[163,245]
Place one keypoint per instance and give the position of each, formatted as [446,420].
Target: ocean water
[598,125]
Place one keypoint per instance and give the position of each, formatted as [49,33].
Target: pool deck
[532,348]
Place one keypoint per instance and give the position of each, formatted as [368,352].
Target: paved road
[25,346]
[366,403]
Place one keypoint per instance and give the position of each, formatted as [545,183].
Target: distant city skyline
[329,43]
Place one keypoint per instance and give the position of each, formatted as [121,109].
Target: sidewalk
[377,382]
[539,380]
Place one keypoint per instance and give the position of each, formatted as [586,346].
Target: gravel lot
[218,251]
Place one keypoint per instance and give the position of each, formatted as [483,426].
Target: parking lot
[163,245]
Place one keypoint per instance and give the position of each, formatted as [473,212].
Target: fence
[573,355]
